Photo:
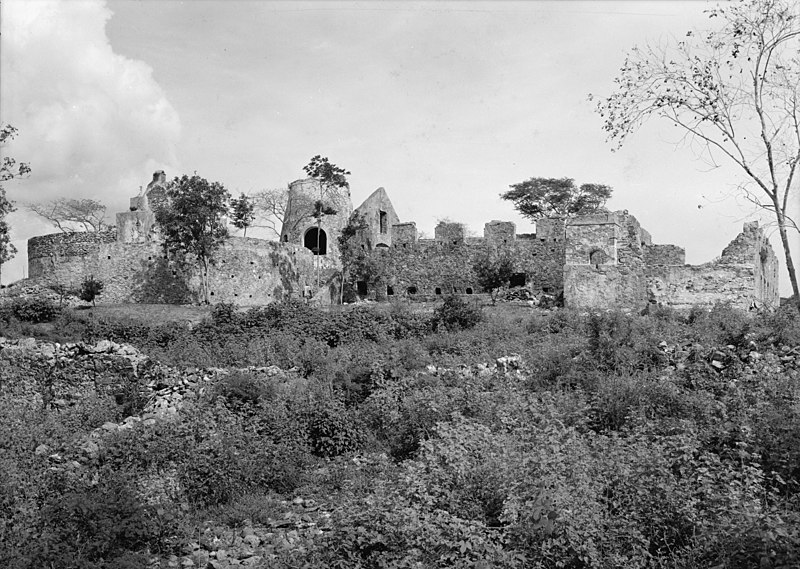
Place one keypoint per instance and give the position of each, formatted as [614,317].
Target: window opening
[437,290]
[383,221]
[469,290]
[316,240]
[412,290]
[361,288]
[517,279]
[389,291]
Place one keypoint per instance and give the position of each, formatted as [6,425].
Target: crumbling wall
[745,276]
[604,262]
[379,215]
[667,255]
[499,232]
[431,268]
[247,271]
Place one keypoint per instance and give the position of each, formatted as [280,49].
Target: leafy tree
[357,262]
[90,289]
[493,272]
[734,94]
[9,169]
[330,178]
[67,213]
[191,221]
[556,197]
[242,212]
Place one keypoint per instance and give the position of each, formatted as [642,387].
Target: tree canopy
[191,220]
[9,169]
[733,93]
[242,212]
[72,214]
[537,198]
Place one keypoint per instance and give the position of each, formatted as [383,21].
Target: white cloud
[92,123]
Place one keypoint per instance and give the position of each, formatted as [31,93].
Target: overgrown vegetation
[606,440]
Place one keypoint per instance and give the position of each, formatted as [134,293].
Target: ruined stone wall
[664,255]
[745,276]
[605,262]
[428,265]
[247,271]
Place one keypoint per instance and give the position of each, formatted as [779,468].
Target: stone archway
[310,241]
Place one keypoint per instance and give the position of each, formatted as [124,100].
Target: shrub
[34,310]
[456,314]
[90,289]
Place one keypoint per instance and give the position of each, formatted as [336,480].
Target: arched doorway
[310,241]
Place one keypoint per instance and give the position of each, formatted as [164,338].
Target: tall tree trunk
[787,252]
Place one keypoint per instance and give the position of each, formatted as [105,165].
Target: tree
[90,289]
[242,212]
[556,197]
[330,178]
[355,253]
[67,213]
[493,272]
[734,94]
[191,222]
[9,169]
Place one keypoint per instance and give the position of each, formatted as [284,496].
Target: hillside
[378,436]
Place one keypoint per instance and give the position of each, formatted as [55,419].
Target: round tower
[301,226]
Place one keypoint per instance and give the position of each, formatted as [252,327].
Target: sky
[444,104]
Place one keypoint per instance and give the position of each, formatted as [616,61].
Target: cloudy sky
[442,103]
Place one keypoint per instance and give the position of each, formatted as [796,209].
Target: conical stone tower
[301,227]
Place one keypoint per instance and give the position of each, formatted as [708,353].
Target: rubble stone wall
[247,271]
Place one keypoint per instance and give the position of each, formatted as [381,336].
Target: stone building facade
[605,260]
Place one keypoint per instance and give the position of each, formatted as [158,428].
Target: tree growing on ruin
[70,215]
[733,92]
[537,198]
[9,169]
[493,272]
[90,289]
[191,221]
[330,178]
[354,248]
[242,212]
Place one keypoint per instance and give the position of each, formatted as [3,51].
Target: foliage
[556,197]
[191,221]
[34,309]
[68,213]
[732,91]
[9,169]
[326,173]
[90,289]
[456,314]
[616,442]
[493,271]
[242,212]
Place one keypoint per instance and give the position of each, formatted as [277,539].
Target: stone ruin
[604,260]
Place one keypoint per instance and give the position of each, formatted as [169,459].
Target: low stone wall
[682,287]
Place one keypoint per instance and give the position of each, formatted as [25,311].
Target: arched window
[316,242]
[597,258]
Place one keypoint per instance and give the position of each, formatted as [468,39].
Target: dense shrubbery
[658,441]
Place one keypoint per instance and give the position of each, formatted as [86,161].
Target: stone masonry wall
[745,276]
[664,255]
[247,272]
[431,265]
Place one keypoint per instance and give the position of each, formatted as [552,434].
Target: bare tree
[271,207]
[734,93]
[72,215]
